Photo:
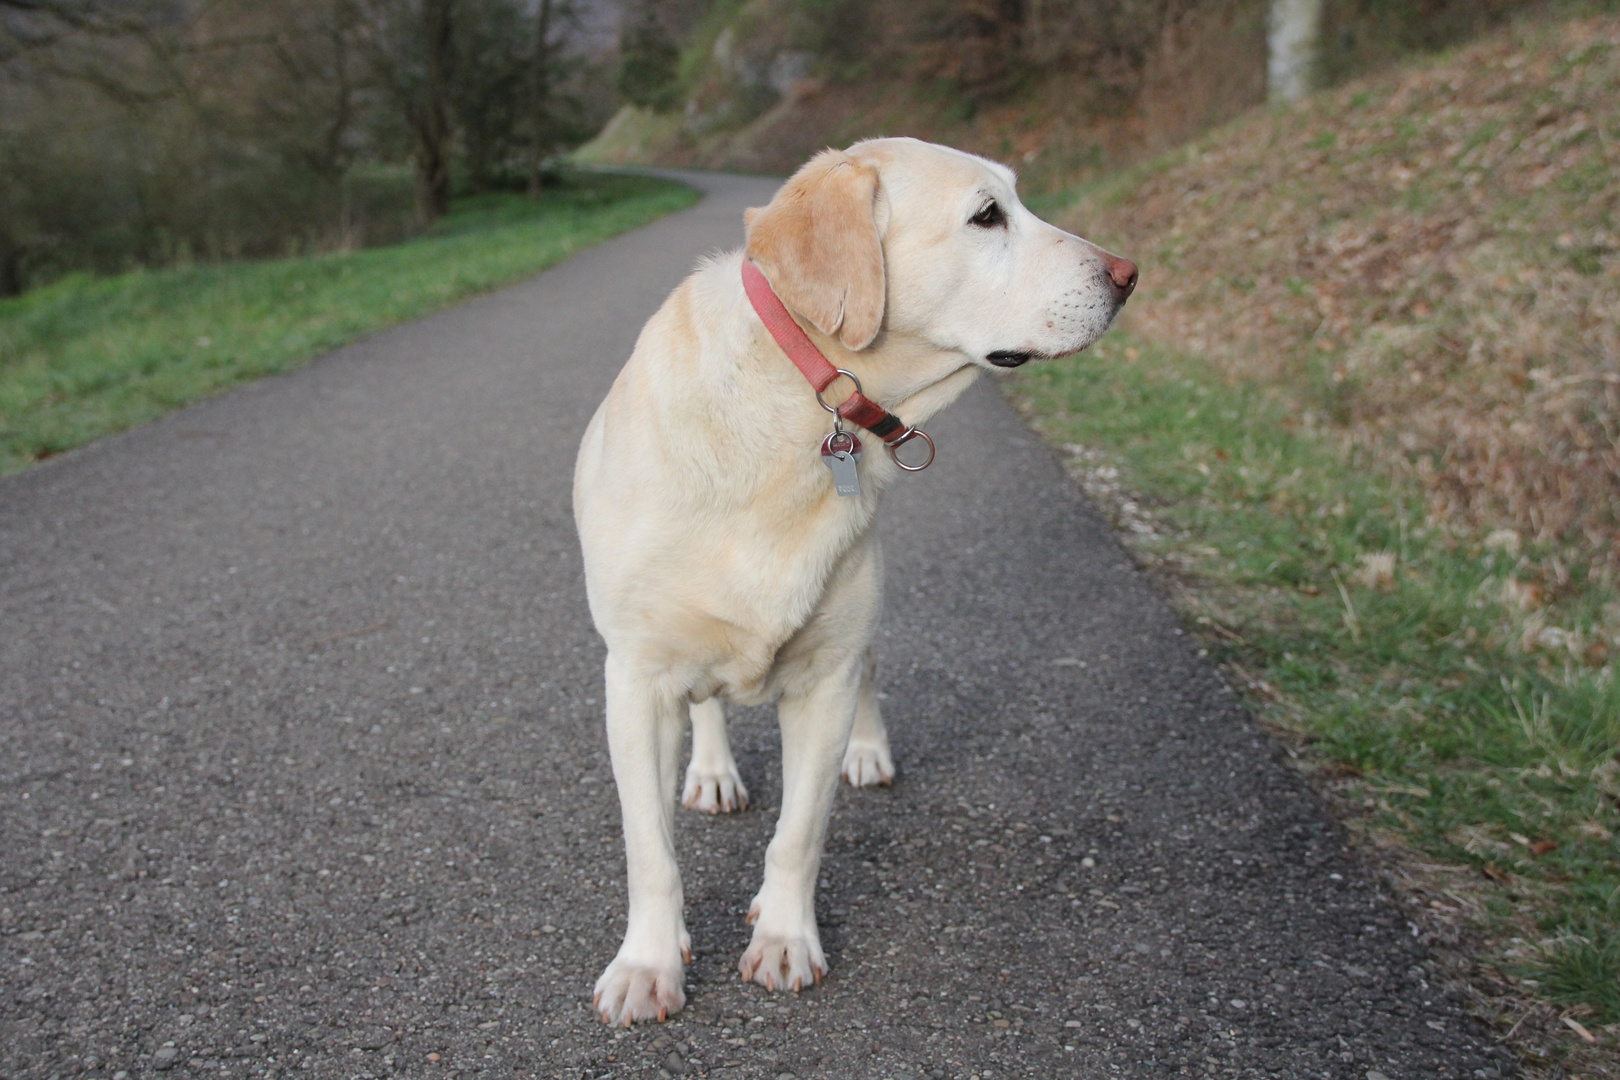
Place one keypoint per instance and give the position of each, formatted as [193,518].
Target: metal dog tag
[841,452]
[846,480]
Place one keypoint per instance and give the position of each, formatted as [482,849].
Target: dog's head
[906,237]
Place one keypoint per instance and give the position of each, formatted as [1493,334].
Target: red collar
[819,371]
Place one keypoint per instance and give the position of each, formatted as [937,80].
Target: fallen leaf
[1496,874]
[1578,1028]
[1542,846]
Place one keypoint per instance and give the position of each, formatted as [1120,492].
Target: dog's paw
[867,764]
[628,991]
[782,960]
[714,789]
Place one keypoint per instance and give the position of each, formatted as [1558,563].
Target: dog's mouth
[1010,358]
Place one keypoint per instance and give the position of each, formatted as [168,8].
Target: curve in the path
[303,770]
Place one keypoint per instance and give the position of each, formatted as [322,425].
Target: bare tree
[310,98]
[34,24]
[430,116]
[128,50]
[488,88]
[409,48]
[139,131]
[540,80]
[118,48]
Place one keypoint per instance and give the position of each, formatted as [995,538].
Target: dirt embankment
[1428,262]
[1059,90]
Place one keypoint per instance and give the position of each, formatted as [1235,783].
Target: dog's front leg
[712,781]
[867,760]
[645,980]
[786,949]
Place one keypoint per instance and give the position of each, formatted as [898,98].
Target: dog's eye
[990,217]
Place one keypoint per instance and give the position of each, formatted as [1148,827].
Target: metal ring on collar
[831,444]
[905,437]
[850,375]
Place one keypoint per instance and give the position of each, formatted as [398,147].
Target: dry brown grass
[1431,262]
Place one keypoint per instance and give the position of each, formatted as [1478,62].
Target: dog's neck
[912,378]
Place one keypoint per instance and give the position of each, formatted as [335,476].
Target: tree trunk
[540,99]
[432,176]
[1295,47]
[11,283]
[432,121]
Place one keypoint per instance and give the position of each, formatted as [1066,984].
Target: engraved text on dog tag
[846,480]
[841,452]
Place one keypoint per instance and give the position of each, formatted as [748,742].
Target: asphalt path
[302,766]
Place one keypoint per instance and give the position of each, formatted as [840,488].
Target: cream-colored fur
[719,562]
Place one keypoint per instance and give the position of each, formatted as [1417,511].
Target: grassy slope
[1451,672]
[1432,261]
[86,357]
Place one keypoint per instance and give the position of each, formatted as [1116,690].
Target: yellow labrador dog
[727,530]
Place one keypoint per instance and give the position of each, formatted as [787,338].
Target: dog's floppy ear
[818,244]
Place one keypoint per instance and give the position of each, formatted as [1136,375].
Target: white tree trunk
[1293,46]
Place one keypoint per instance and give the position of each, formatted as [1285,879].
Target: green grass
[1479,730]
[85,357]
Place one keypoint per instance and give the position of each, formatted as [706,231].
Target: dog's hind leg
[645,981]
[712,781]
[867,761]
[785,953]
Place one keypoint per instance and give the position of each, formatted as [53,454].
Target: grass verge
[1430,258]
[85,357]
[1453,708]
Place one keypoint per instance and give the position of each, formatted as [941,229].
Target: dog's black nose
[1122,276]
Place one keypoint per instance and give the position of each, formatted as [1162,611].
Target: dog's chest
[785,602]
